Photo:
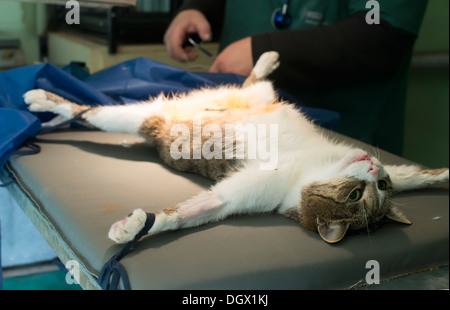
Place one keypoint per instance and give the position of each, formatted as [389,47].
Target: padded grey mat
[83,181]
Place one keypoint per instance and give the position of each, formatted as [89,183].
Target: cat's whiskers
[391,201]
[378,153]
[367,225]
[394,192]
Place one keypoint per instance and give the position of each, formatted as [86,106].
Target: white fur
[37,101]
[123,119]
[412,177]
[124,230]
[266,64]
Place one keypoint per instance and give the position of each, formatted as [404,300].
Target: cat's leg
[242,193]
[117,118]
[406,177]
[266,64]
[40,100]
[193,212]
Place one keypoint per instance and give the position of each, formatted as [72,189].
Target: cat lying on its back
[224,134]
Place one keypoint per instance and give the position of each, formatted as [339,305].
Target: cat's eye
[355,195]
[382,185]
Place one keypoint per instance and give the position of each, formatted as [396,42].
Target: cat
[326,186]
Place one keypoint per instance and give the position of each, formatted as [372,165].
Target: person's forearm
[340,53]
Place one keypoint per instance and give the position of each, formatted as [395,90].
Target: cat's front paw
[38,101]
[125,230]
[438,175]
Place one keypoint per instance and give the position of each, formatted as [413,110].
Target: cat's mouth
[362,158]
[356,159]
[373,168]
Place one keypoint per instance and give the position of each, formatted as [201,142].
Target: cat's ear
[413,177]
[331,232]
[397,215]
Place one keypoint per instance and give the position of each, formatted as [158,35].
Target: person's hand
[185,23]
[235,58]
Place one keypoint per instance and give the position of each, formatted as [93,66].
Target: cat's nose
[374,170]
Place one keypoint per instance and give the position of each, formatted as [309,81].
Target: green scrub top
[372,112]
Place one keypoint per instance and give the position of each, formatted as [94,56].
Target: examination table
[82,181]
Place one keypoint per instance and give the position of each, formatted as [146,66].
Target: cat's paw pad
[266,64]
[125,230]
[38,101]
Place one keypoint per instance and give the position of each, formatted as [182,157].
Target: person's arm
[340,53]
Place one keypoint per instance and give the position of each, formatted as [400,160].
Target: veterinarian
[350,56]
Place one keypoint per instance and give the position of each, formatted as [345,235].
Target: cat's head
[354,195]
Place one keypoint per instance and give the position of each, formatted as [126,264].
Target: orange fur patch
[233,110]
[171,210]
[434,171]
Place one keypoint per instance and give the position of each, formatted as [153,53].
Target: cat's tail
[266,64]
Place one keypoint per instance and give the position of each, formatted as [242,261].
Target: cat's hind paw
[38,101]
[125,230]
[266,64]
